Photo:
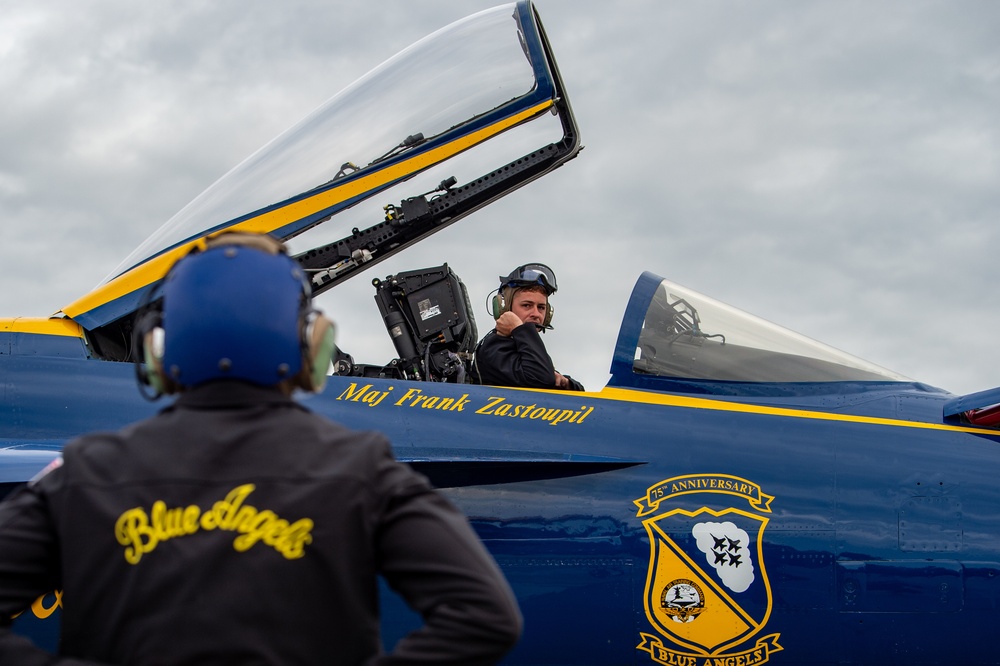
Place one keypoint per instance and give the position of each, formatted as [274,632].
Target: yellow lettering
[490,405]
[133,531]
[228,509]
[585,415]
[293,541]
[158,522]
[140,533]
[374,397]
[562,416]
[209,521]
[497,406]
[352,392]
[191,515]
[254,528]
[168,523]
[42,611]
[409,392]
[273,531]
[244,517]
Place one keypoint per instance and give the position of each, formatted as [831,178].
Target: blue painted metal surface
[670,518]
[877,527]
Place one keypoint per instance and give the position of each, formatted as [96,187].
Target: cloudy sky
[833,167]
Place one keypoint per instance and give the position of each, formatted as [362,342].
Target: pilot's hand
[507,322]
[568,383]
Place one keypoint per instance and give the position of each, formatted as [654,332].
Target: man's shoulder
[340,432]
[97,442]
[283,442]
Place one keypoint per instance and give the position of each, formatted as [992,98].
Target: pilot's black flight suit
[517,360]
[237,527]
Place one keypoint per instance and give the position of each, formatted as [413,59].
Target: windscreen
[687,335]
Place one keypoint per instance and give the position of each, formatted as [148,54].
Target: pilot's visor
[531,274]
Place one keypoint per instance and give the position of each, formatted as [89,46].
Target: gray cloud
[830,166]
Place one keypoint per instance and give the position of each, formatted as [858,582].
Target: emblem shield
[706,587]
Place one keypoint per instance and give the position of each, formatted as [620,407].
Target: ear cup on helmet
[153,349]
[548,315]
[319,346]
[498,305]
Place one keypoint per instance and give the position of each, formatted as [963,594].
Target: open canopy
[388,134]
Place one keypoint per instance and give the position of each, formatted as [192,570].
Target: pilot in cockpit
[513,353]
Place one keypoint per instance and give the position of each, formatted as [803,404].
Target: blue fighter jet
[853,510]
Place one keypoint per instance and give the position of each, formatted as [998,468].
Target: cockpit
[674,332]
[687,335]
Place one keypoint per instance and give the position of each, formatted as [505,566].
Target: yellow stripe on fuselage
[154,269]
[672,400]
[628,395]
[40,326]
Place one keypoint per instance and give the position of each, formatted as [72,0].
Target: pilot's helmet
[238,309]
[530,275]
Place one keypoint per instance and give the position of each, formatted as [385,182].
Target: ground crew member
[236,526]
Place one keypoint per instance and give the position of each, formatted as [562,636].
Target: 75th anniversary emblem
[707,593]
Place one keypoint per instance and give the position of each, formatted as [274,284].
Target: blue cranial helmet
[235,311]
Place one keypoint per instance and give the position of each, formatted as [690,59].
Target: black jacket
[237,527]
[517,360]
